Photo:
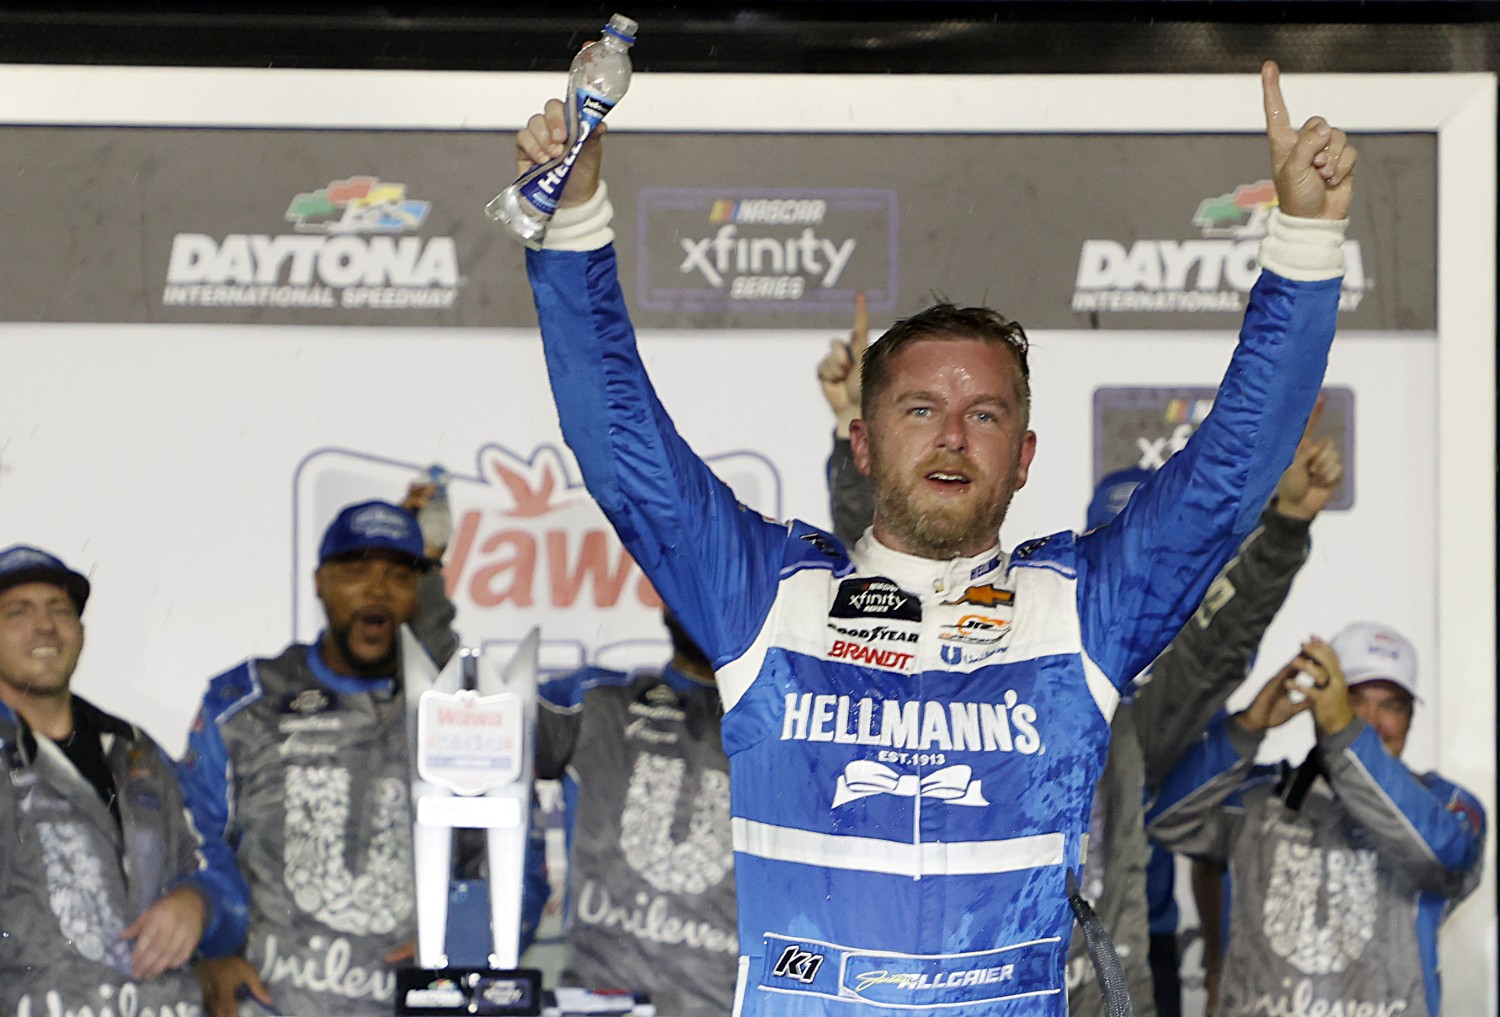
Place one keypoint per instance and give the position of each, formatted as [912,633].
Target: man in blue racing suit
[915,726]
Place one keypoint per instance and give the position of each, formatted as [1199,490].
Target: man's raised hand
[1313,167]
[545,136]
[1317,469]
[838,371]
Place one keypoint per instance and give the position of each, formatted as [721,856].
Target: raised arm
[433,622]
[714,562]
[1196,811]
[1213,653]
[1147,571]
[1436,829]
[851,494]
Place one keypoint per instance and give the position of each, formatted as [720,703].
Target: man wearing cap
[297,774]
[103,897]
[1342,867]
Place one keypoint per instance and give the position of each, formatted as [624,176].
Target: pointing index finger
[1275,105]
[860,336]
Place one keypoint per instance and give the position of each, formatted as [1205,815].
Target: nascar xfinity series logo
[353,244]
[1210,273]
[706,247]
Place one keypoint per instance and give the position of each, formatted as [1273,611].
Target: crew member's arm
[1197,812]
[433,622]
[851,494]
[1213,653]
[715,562]
[1433,828]
[206,775]
[559,717]
[168,932]
[1142,575]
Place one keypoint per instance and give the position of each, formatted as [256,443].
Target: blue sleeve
[1142,575]
[205,774]
[218,891]
[1436,827]
[715,563]
[1200,808]
[1211,756]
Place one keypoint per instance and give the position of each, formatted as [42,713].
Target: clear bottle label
[542,187]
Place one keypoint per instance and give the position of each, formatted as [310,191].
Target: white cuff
[1305,250]
[582,227]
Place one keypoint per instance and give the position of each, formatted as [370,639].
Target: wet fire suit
[73,875]
[1170,708]
[1342,870]
[914,743]
[650,899]
[298,778]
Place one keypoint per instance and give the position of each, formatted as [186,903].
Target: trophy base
[442,992]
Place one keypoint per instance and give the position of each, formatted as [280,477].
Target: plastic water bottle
[597,80]
[436,516]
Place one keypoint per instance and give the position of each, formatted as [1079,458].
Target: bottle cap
[621,26]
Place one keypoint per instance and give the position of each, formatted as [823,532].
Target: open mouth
[953,480]
[372,623]
[45,652]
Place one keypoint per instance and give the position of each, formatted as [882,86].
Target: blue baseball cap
[1112,494]
[21,564]
[373,526]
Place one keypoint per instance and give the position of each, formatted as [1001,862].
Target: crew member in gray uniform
[1173,702]
[650,903]
[103,893]
[297,774]
[1343,868]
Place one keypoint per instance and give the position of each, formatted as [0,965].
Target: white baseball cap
[1370,651]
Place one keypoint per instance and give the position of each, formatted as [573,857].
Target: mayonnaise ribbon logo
[952,784]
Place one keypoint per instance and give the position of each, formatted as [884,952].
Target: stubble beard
[957,529]
[47,686]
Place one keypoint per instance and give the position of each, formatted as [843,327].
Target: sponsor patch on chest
[874,597]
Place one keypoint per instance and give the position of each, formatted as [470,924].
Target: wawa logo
[529,546]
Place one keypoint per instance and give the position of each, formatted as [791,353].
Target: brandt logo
[767,249]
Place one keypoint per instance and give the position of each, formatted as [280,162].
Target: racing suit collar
[928,578]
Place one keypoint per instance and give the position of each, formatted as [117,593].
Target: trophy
[470,736]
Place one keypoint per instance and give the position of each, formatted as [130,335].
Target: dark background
[875,36]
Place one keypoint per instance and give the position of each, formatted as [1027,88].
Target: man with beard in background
[297,775]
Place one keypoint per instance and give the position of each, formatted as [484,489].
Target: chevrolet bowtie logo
[985,596]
